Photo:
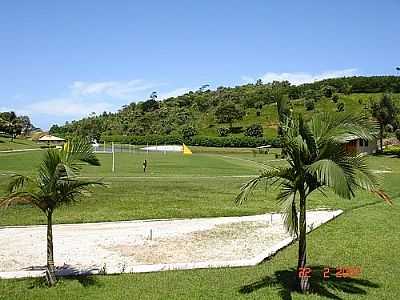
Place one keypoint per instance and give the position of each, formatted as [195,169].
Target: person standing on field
[144,166]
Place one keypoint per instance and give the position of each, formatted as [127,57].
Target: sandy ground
[144,246]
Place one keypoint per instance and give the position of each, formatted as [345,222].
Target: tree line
[219,108]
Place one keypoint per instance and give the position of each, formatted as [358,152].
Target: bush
[258,113]
[188,132]
[197,140]
[340,107]
[389,128]
[397,133]
[335,98]
[254,130]
[309,104]
[223,131]
[233,141]
[237,129]
[328,91]
[392,150]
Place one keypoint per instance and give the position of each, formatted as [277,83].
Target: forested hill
[231,111]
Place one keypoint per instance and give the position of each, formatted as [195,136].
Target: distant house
[355,144]
[51,140]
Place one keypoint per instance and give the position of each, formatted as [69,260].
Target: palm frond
[341,127]
[70,189]
[79,149]
[21,197]
[287,200]
[329,173]
[17,182]
[273,175]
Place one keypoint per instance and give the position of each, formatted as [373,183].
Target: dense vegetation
[228,111]
[14,125]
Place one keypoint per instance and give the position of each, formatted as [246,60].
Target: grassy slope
[366,235]
[269,117]
[17,144]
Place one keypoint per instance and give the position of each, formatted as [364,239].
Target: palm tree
[317,160]
[56,184]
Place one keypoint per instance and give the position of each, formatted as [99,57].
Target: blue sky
[61,61]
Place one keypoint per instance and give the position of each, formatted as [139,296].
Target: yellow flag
[186,150]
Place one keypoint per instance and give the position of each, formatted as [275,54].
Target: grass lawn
[17,144]
[202,185]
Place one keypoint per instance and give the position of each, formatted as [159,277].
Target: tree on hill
[228,113]
[254,130]
[56,184]
[385,112]
[188,132]
[317,160]
[397,133]
[11,124]
[309,104]
[328,91]
[339,106]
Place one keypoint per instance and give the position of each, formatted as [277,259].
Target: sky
[61,60]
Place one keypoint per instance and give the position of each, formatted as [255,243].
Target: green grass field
[18,144]
[204,185]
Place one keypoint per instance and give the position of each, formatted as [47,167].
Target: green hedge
[197,140]
[392,150]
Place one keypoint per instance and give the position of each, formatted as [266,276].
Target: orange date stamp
[328,272]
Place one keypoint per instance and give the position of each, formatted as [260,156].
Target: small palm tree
[317,160]
[56,184]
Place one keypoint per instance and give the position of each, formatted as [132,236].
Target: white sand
[117,247]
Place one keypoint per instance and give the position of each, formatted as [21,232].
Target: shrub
[397,133]
[392,150]
[309,104]
[223,131]
[389,128]
[237,129]
[188,132]
[328,91]
[197,140]
[340,106]
[254,130]
[258,113]
[335,98]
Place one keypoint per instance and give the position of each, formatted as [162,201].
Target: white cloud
[174,93]
[114,89]
[301,77]
[68,107]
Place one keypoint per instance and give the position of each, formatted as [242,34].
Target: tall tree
[228,113]
[317,159]
[56,184]
[385,112]
[11,124]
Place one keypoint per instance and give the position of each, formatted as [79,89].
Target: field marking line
[248,160]
[20,150]
[170,177]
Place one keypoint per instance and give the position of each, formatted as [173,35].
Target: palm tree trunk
[302,259]
[50,272]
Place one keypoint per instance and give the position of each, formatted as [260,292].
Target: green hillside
[205,111]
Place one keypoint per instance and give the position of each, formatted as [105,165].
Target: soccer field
[204,185]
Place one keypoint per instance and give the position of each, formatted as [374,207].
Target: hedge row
[197,140]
